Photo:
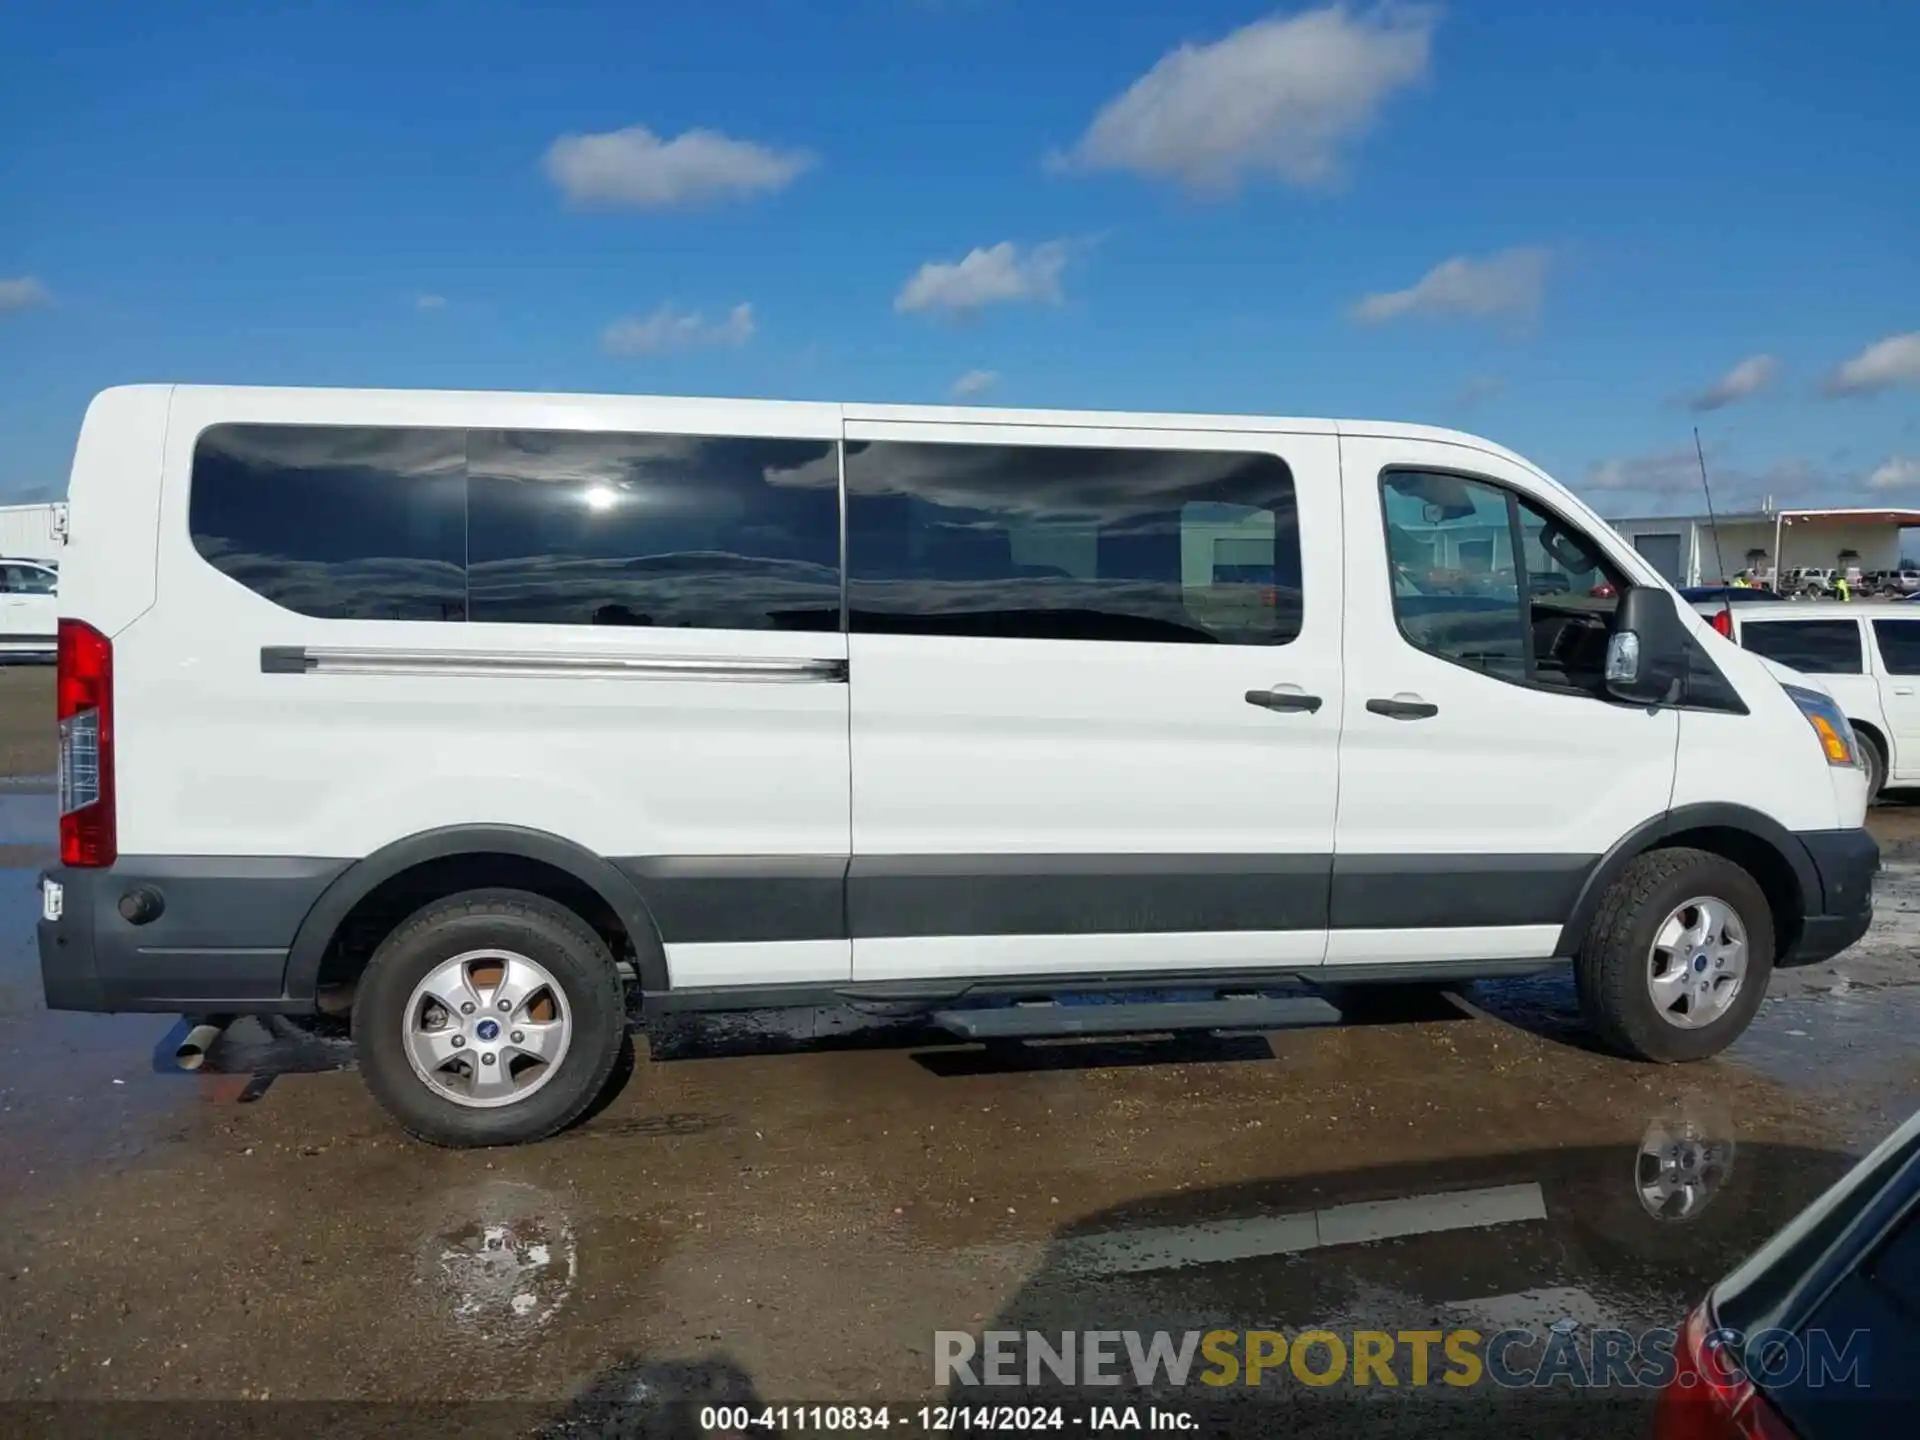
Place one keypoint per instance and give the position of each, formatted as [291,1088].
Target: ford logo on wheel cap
[488,1029]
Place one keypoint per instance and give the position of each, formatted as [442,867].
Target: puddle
[1851,1042]
[29,822]
[28,817]
[506,1265]
[78,1091]
[75,1090]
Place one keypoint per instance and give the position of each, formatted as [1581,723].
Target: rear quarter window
[1817,647]
[339,522]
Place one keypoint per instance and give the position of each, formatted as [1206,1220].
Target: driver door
[1478,781]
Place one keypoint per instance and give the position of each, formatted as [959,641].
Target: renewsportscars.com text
[1562,1355]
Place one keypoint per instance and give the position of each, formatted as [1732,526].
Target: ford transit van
[475,719]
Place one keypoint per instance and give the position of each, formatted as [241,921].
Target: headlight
[1829,725]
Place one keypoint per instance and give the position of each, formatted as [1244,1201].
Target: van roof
[327,404]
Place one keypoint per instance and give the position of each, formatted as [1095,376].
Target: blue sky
[1551,224]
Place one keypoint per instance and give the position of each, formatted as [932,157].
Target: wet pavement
[791,1209]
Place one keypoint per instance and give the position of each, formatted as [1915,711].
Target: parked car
[1817,1335]
[458,712]
[1809,582]
[1867,657]
[29,608]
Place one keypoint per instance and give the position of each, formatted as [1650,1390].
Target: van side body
[792,702]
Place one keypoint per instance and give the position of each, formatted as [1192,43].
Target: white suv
[458,713]
[1867,657]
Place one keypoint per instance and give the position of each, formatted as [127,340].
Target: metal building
[27,532]
[1694,550]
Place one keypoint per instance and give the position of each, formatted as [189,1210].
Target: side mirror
[1647,654]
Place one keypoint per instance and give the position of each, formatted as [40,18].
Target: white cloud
[1881,366]
[635,169]
[1897,474]
[1283,96]
[670,329]
[23,293]
[1000,274]
[429,302]
[1508,282]
[1674,475]
[975,382]
[1660,472]
[1742,382]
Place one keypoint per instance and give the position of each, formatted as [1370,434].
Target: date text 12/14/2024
[727,1420]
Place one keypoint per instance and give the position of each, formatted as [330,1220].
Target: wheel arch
[1755,842]
[483,844]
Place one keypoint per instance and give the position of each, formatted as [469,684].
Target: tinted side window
[1063,543]
[1456,588]
[339,522]
[1899,645]
[671,530]
[1819,647]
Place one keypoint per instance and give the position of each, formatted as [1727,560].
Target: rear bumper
[1845,862]
[218,943]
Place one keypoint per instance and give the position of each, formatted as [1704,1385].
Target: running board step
[1258,1012]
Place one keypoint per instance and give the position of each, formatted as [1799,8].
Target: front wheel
[1876,764]
[492,1017]
[1678,957]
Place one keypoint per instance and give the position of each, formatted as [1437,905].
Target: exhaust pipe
[199,1041]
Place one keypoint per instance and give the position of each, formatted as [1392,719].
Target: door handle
[1398,709]
[1903,690]
[1283,700]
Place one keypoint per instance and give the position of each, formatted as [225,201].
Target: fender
[360,879]
[1644,837]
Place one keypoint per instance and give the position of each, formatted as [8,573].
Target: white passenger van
[1866,656]
[465,714]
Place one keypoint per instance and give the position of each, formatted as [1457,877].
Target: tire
[1612,970]
[1876,764]
[589,1007]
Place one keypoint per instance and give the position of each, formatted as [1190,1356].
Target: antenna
[1726,600]
[1701,455]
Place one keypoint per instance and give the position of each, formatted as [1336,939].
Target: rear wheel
[1678,958]
[492,1017]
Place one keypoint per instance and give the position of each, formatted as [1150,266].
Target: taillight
[1710,1396]
[1723,622]
[84,705]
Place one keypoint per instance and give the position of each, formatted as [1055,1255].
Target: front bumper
[217,945]
[1844,862]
